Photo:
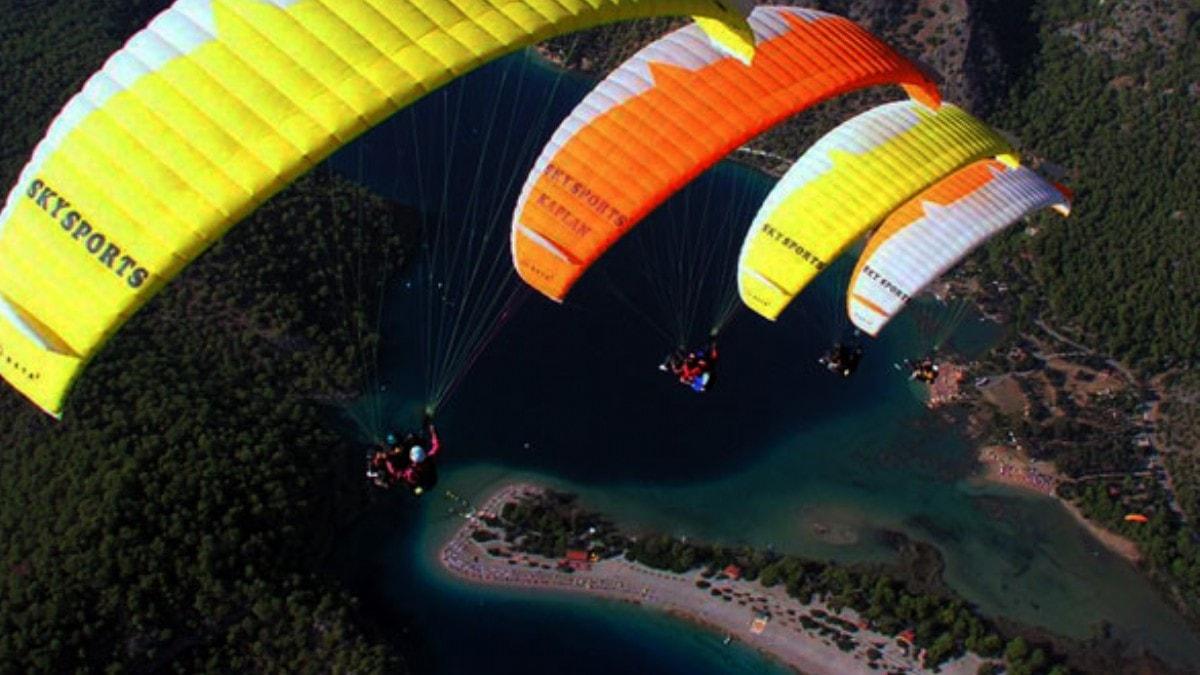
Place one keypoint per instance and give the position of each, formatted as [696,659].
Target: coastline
[765,619]
[1003,466]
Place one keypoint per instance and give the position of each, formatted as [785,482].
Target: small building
[732,571]
[577,560]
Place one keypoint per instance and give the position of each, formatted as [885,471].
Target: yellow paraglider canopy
[212,108]
[845,184]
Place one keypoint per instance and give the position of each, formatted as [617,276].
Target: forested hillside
[1109,100]
[49,50]
[1113,97]
[180,512]
[178,517]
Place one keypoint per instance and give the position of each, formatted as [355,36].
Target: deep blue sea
[778,454]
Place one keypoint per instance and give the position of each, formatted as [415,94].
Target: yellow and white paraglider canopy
[845,184]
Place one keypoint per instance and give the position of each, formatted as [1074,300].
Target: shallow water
[778,454]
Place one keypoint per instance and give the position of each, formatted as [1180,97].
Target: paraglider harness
[409,461]
[695,368]
[842,359]
[924,370]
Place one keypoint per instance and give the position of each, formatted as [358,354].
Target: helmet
[417,454]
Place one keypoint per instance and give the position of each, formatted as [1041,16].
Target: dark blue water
[469,629]
[569,395]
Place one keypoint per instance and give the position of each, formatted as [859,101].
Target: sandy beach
[1006,466]
[728,608]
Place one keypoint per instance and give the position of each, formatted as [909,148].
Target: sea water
[778,454]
